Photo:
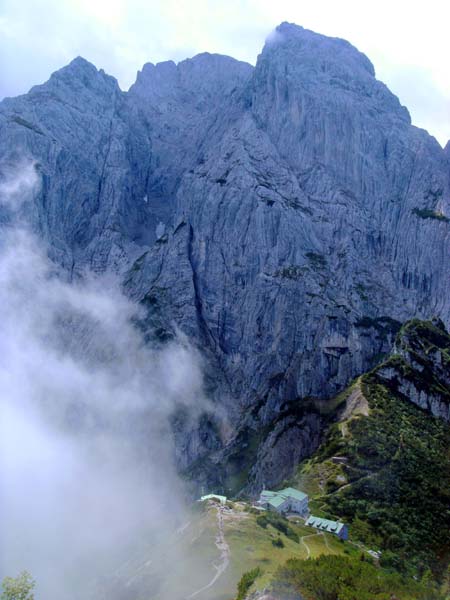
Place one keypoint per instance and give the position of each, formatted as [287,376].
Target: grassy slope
[395,488]
[251,546]
[186,561]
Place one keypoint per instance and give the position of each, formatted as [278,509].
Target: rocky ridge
[419,367]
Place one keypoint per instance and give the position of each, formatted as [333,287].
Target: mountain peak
[309,45]
[82,68]
[79,62]
[78,68]
[203,74]
[296,61]
[79,72]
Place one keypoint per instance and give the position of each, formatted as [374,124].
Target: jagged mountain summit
[286,217]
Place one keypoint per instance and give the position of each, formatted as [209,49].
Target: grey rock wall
[285,217]
[297,233]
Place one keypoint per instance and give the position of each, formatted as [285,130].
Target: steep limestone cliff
[301,240]
[286,218]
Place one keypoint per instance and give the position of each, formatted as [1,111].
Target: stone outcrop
[419,367]
[289,442]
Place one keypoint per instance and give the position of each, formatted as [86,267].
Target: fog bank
[86,457]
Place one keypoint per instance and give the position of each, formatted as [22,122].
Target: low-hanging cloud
[86,458]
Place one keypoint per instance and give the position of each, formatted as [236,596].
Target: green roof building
[334,527]
[283,501]
[221,499]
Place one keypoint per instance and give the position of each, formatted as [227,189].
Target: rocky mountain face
[419,367]
[286,218]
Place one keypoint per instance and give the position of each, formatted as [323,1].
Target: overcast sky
[408,41]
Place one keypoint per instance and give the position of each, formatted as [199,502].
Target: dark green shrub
[262,521]
[427,213]
[343,578]
[246,582]
[278,543]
